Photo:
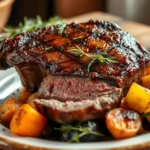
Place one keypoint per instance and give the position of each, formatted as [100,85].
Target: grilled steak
[46,51]
[89,65]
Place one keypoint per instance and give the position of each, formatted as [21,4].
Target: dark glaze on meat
[45,51]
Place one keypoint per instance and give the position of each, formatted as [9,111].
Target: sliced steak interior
[67,99]
[71,88]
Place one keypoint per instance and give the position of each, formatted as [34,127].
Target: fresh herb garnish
[94,57]
[82,131]
[60,28]
[77,38]
[48,48]
[145,115]
[30,25]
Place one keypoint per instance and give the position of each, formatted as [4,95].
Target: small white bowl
[5,9]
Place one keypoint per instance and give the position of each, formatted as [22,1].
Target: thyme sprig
[94,57]
[82,131]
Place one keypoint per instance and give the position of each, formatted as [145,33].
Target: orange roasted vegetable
[27,122]
[24,95]
[146,81]
[123,123]
[8,108]
[148,71]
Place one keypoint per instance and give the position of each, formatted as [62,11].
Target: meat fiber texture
[67,99]
[47,52]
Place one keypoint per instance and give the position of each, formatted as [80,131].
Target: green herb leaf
[60,28]
[94,57]
[145,115]
[77,38]
[30,25]
[82,131]
[48,48]
[77,51]
[90,64]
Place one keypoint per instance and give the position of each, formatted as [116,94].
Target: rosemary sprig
[48,48]
[82,131]
[94,57]
[145,115]
[77,38]
[29,25]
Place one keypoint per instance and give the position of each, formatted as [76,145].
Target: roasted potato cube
[27,122]
[137,98]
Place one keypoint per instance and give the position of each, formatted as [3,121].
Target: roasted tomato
[8,108]
[123,123]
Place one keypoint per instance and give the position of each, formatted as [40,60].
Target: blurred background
[128,9]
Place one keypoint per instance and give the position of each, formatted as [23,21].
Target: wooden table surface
[140,31]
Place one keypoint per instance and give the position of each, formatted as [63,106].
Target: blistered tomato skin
[123,123]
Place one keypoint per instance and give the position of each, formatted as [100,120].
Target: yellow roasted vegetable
[137,98]
[146,81]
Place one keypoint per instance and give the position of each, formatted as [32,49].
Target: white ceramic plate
[9,83]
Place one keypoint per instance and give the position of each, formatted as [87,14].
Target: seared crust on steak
[48,50]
